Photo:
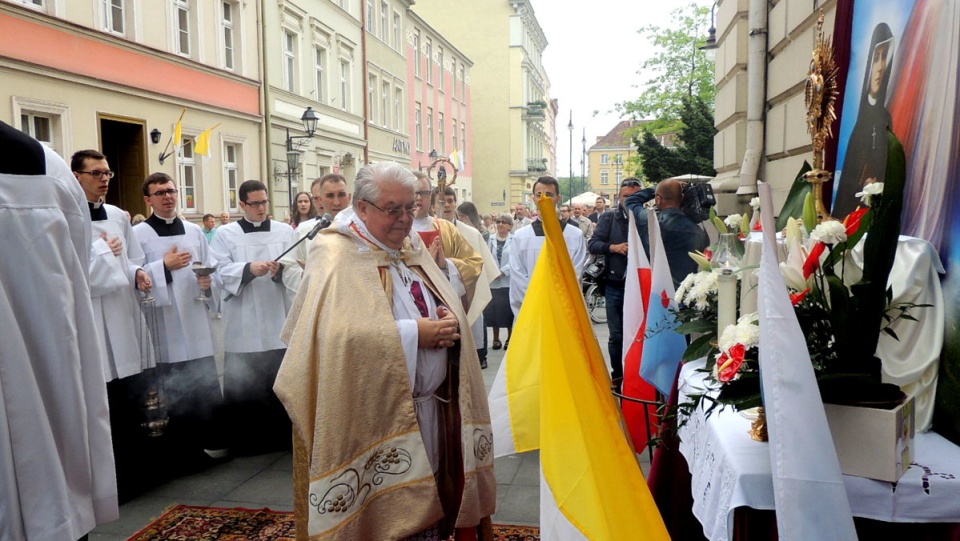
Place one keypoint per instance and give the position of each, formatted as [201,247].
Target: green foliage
[678,69]
[793,207]
[695,152]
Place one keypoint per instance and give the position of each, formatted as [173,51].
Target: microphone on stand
[323,223]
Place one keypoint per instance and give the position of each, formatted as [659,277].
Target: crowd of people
[365,316]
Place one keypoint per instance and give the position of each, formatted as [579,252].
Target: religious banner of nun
[905,73]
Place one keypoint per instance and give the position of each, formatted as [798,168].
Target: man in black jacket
[610,239]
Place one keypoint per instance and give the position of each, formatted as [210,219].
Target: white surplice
[524,252]
[253,312]
[115,303]
[184,326]
[57,477]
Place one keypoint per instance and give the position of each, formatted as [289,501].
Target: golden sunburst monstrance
[820,96]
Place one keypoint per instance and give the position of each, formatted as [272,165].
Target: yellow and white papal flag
[553,393]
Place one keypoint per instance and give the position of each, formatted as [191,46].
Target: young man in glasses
[529,239]
[115,276]
[255,305]
[186,364]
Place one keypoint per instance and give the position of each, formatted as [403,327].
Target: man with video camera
[680,206]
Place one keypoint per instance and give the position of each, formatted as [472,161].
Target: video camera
[697,200]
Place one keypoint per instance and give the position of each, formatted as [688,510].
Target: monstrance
[442,183]
[820,96]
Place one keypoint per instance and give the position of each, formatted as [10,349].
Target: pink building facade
[439,113]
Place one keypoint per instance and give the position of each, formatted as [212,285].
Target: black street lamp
[309,119]
[710,46]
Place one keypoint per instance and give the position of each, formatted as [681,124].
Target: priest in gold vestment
[392,436]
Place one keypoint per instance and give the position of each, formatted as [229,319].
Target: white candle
[726,300]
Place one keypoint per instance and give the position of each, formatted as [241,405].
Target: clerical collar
[871,100]
[166,227]
[538,227]
[97,212]
[424,224]
[254,227]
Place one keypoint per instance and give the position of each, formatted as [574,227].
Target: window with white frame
[397,32]
[463,142]
[228,18]
[385,105]
[39,126]
[371,13]
[320,61]
[188,176]
[453,130]
[231,175]
[419,127]
[289,61]
[440,67]
[463,83]
[398,109]
[417,69]
[372,99]
[443,141]
[44,121]
[428,53]
[619,176]
[604,159]
[430,144]
[182,24]
[345,84]
[113,16]
[618,158]
[384,16]
[604,177]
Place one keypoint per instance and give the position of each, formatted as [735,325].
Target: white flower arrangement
[733,221]
[746,332]
[872,189]
[696,289]
[831,232]
[755,203]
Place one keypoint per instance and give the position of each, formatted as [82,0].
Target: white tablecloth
[730,470]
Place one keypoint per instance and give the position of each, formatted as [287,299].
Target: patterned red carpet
[189,523]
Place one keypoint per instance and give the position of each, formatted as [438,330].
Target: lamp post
[710,46]
[583,161]
[570,128]
[309,119]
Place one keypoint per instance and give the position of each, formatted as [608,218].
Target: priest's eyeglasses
[163,193]
[98,174]
[395,213]
[257,204]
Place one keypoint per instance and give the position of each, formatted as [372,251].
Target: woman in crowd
[304,210]
[468,213]
[498,313]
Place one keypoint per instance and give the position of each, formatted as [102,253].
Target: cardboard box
[873,443]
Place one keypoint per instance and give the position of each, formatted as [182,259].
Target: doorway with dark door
[124,143]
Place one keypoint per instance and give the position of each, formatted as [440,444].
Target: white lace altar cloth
[730,470]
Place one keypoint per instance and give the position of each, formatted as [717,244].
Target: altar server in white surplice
[255,305]
[115,275]
[56,462]
[186,364]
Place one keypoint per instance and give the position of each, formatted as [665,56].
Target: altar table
[729,470]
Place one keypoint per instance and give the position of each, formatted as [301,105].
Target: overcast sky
[592,58]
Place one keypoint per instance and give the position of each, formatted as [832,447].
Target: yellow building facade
[612,158]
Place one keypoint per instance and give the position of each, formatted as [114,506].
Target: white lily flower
[755,203]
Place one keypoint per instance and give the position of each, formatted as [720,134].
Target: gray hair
[370,178]
[505,217]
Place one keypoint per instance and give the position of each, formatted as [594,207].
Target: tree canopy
[693,155]
[678,69]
